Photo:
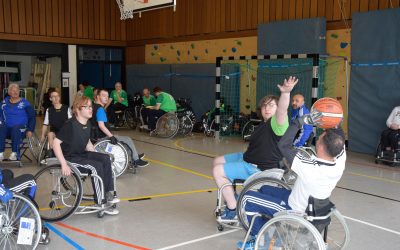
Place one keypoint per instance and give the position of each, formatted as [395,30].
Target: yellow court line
[148,196]
[178,145]
[170,194]
[179,168]
[374,177]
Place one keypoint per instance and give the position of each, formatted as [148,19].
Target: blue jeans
[16,134]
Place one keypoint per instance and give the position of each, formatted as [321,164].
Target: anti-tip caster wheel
[220,228]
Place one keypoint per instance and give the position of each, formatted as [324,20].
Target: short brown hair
[157,89]
[268,99]
[79,102]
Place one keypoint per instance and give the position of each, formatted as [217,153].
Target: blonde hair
[79,102]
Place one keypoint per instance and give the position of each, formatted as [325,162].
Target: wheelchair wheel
[43,150]
[34,146]
[167,125]
[128,151]
[210,131]
[57,196]
[289,232]
[130,119]
[118,154]
[255,185]
[17,210]
[248,130]
[185,125]
[338,234]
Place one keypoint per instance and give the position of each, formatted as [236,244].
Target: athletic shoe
[111,211]
[13,156]
[141,155]
[111,199]
[141,163]
[1,156]
[229,214]
[144,127]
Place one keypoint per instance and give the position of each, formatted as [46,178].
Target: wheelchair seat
[390,157]
[317,208]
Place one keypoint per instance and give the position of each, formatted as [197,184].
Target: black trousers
[153,116]
[24,184]
[99,164]
[145,115]
[111,111]
[390,138]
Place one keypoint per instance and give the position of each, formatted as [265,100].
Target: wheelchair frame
[180,125]
[57,194]
[32,144]
[125,117]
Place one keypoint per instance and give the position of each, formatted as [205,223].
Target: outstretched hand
[288,84]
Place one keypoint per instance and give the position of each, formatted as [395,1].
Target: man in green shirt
[118,101]
[88,91]
[164,103]
[148,100]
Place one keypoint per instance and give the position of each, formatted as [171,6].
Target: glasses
[87,107]
[54,96]
[268,105]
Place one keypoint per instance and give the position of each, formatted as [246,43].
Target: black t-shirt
[74,136]
[263,148]
[57,117]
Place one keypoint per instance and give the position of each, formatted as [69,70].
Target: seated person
[164,103]
[46,99]
[299,110]
[390,136]
[118,101]
[148,101]
[55,117]
[17,118]
[72,143]
[317,177]
[88,90]
[100,128]
[262,152]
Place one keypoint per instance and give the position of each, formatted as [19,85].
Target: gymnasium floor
[181,197]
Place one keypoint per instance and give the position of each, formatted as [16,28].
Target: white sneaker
[111,211]
[13,156]
[1,156]
[144,127]
[114,200]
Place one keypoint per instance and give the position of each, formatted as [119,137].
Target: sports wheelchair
[20,224]
[59,196]
[120,154]
[391,157]
[320,227]
[28,144]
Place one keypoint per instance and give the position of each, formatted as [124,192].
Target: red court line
[101,237]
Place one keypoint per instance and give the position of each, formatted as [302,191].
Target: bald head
[297,101]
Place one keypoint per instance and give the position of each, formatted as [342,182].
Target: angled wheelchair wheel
[34,146]
[210,130]
[167,125]
[44,146]
[19,210]
[338,234]
[118,154]
[255,185]
[130,120]
[289,232]
[248,130]
[57,196]
[185,125]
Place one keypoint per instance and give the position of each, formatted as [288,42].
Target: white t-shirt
[394,117]
[316,178]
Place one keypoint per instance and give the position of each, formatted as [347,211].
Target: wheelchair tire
[130,119]
[118,153]
[210,131]
[255,185]
[338,235]
[185,125]
[57,196]
[289,232]
[43,150]
[34,146]
[167,125]
[11,213]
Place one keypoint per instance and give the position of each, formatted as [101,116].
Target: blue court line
[68,240]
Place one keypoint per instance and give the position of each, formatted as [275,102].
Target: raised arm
[284,100]
[285,144]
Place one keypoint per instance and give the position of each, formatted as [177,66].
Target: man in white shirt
[389,138]
[317,177]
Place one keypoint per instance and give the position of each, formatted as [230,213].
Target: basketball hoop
[130,7]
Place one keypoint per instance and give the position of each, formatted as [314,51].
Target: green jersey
[122,94]
[88,92]
[151,101]
[167,102]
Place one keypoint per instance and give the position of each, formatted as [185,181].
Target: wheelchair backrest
[319,207]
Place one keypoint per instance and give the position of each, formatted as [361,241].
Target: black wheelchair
[390,157]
